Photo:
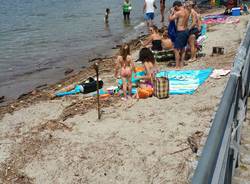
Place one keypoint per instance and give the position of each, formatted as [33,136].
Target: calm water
[40,38]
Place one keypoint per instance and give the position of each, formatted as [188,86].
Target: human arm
[155,5]
[144,6]
[173,15]
[194,20]
[147,41]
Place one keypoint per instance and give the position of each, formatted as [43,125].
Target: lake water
[39,39]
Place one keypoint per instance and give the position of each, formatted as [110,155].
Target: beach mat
[185,81]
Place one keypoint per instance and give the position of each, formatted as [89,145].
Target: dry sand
[135,142]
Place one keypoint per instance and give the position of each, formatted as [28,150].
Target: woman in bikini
[146,82]
[154,39]
[125,64]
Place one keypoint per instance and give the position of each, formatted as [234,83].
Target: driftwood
[194,141]
[184,149]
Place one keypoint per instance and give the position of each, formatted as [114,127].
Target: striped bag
[161,87]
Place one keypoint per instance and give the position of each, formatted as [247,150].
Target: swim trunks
[181,39]
[149,16]
[195,32]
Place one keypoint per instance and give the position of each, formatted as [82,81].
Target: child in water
[127,7]
[106,16]
[125,64]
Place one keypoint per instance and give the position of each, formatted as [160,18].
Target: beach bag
[145,92]
[161,87]
[91,85]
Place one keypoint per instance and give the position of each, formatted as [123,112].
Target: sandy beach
[62,141]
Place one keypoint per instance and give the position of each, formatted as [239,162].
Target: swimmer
[125,64]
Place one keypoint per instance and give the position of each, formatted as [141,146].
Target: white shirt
[150,6]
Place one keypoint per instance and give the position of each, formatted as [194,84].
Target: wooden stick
[184,149]
[97,85]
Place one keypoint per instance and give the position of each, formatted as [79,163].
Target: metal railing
[220,154]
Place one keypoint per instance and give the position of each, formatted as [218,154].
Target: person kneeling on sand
[125,64]
[146,82]
[180,14]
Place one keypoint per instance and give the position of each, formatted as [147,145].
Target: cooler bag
[161,87]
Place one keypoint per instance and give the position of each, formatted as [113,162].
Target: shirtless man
[180,14]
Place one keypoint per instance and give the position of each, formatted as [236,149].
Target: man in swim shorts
[180,15]
[148,10]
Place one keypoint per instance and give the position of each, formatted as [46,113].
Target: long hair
[155,28]
[125,51]
[146,55]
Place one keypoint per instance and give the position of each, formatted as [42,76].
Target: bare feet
[192,60]
[124,99]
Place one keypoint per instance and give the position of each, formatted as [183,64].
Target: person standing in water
[127,7]
[106,16]
[149,8]
[162,9]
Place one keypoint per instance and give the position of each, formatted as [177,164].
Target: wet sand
[145,141]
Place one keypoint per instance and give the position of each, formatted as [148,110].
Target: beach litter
[218,50]
[217,73]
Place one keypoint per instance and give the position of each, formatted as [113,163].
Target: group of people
[187,25]
[126,66]
[148,10]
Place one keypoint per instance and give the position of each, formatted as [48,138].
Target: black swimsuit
[156,45]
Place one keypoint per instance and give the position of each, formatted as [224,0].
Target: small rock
[68,71]
[76,174]
[245,159]
[2,99]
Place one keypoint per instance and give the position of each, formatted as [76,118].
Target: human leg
[128,16]
[177,58]
[191,42]
[162,12]
[124,16]
[124,86]
[182,57]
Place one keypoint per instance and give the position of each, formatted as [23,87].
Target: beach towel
[172,31]
[185,81]
[134,80]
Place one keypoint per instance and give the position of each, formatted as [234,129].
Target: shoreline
[42,92]
[67,73]
[143,141]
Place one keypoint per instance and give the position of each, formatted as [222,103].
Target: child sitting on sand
[126,66]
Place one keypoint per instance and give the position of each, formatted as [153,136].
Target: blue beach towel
[134,81]
[172,31]
[185,81]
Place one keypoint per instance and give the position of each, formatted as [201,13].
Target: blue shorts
[181,39]
[149,16]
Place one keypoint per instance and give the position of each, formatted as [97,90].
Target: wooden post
[97,86]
